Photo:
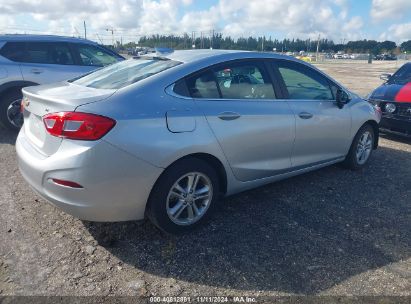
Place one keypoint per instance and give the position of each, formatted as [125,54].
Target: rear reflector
[66,183]
[77,125]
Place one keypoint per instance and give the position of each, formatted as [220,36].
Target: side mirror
[341,98]
[385,76]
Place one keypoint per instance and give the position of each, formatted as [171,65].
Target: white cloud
[129,18]
[298,18]
[382,9]
[397,32]
[6,21]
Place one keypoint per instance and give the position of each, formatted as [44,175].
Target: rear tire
[10,116]
[176,207]
[361,148]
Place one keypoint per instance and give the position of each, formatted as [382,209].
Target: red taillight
[76,125]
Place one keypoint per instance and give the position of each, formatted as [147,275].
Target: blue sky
[340,20]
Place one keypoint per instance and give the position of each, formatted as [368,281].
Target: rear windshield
[124,73]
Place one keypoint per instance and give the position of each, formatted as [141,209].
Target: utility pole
[112,35]
[262,44]
[193,41]
[212,40]
[85,30]
[318,47]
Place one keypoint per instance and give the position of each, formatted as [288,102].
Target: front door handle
[228,115]
[305,115]
[36,71]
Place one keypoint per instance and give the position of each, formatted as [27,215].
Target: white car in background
[27,60]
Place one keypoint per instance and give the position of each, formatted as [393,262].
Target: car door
[254,129]
[322,129]
[47,62]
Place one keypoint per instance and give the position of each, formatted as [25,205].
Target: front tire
[184,196]
[10,116]
[361,148]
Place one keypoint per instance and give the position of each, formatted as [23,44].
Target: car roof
[43,38]
[188,56]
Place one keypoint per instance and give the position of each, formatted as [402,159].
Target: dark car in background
[385,57]
[394,99]
[27,60]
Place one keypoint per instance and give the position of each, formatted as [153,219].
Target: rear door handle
[36,71]
[228,115]
[305,115]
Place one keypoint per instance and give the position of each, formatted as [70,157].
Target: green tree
[406,46]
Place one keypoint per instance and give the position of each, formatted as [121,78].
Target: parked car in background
[394,99]
[27,60]
[385,57]
[165,137]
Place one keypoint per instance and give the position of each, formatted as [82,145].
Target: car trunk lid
[62,97]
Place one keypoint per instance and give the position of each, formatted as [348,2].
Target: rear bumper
[396,125]
[116,184]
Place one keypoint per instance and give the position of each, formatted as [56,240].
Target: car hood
[393,92]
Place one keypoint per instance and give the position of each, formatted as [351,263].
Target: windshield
[402,76]
[124,73]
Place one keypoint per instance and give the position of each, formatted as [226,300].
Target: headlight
[390,108]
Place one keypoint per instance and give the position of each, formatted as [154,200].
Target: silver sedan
[166,136]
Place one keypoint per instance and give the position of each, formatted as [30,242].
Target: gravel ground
[329,232]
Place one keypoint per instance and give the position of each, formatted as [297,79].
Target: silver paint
[256,142]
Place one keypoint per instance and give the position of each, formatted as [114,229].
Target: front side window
[304,83]
[91,55]
[125,73]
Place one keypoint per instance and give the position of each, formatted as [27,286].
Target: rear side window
[91,55]
[180,88]
[13,51]
[48,53]
[232,80]
[203,85]
[245,80]
[125,73]
[38,52]
[304,83]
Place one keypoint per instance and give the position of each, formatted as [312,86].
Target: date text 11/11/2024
[203,299]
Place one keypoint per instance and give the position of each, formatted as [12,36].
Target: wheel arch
[14,86]
[376,129]
[218,165]
[213,161]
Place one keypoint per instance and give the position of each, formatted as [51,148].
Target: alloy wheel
[14,116]
[364,147]
[189,198]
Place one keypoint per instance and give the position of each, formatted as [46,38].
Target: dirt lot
[359,76]
[330,232]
